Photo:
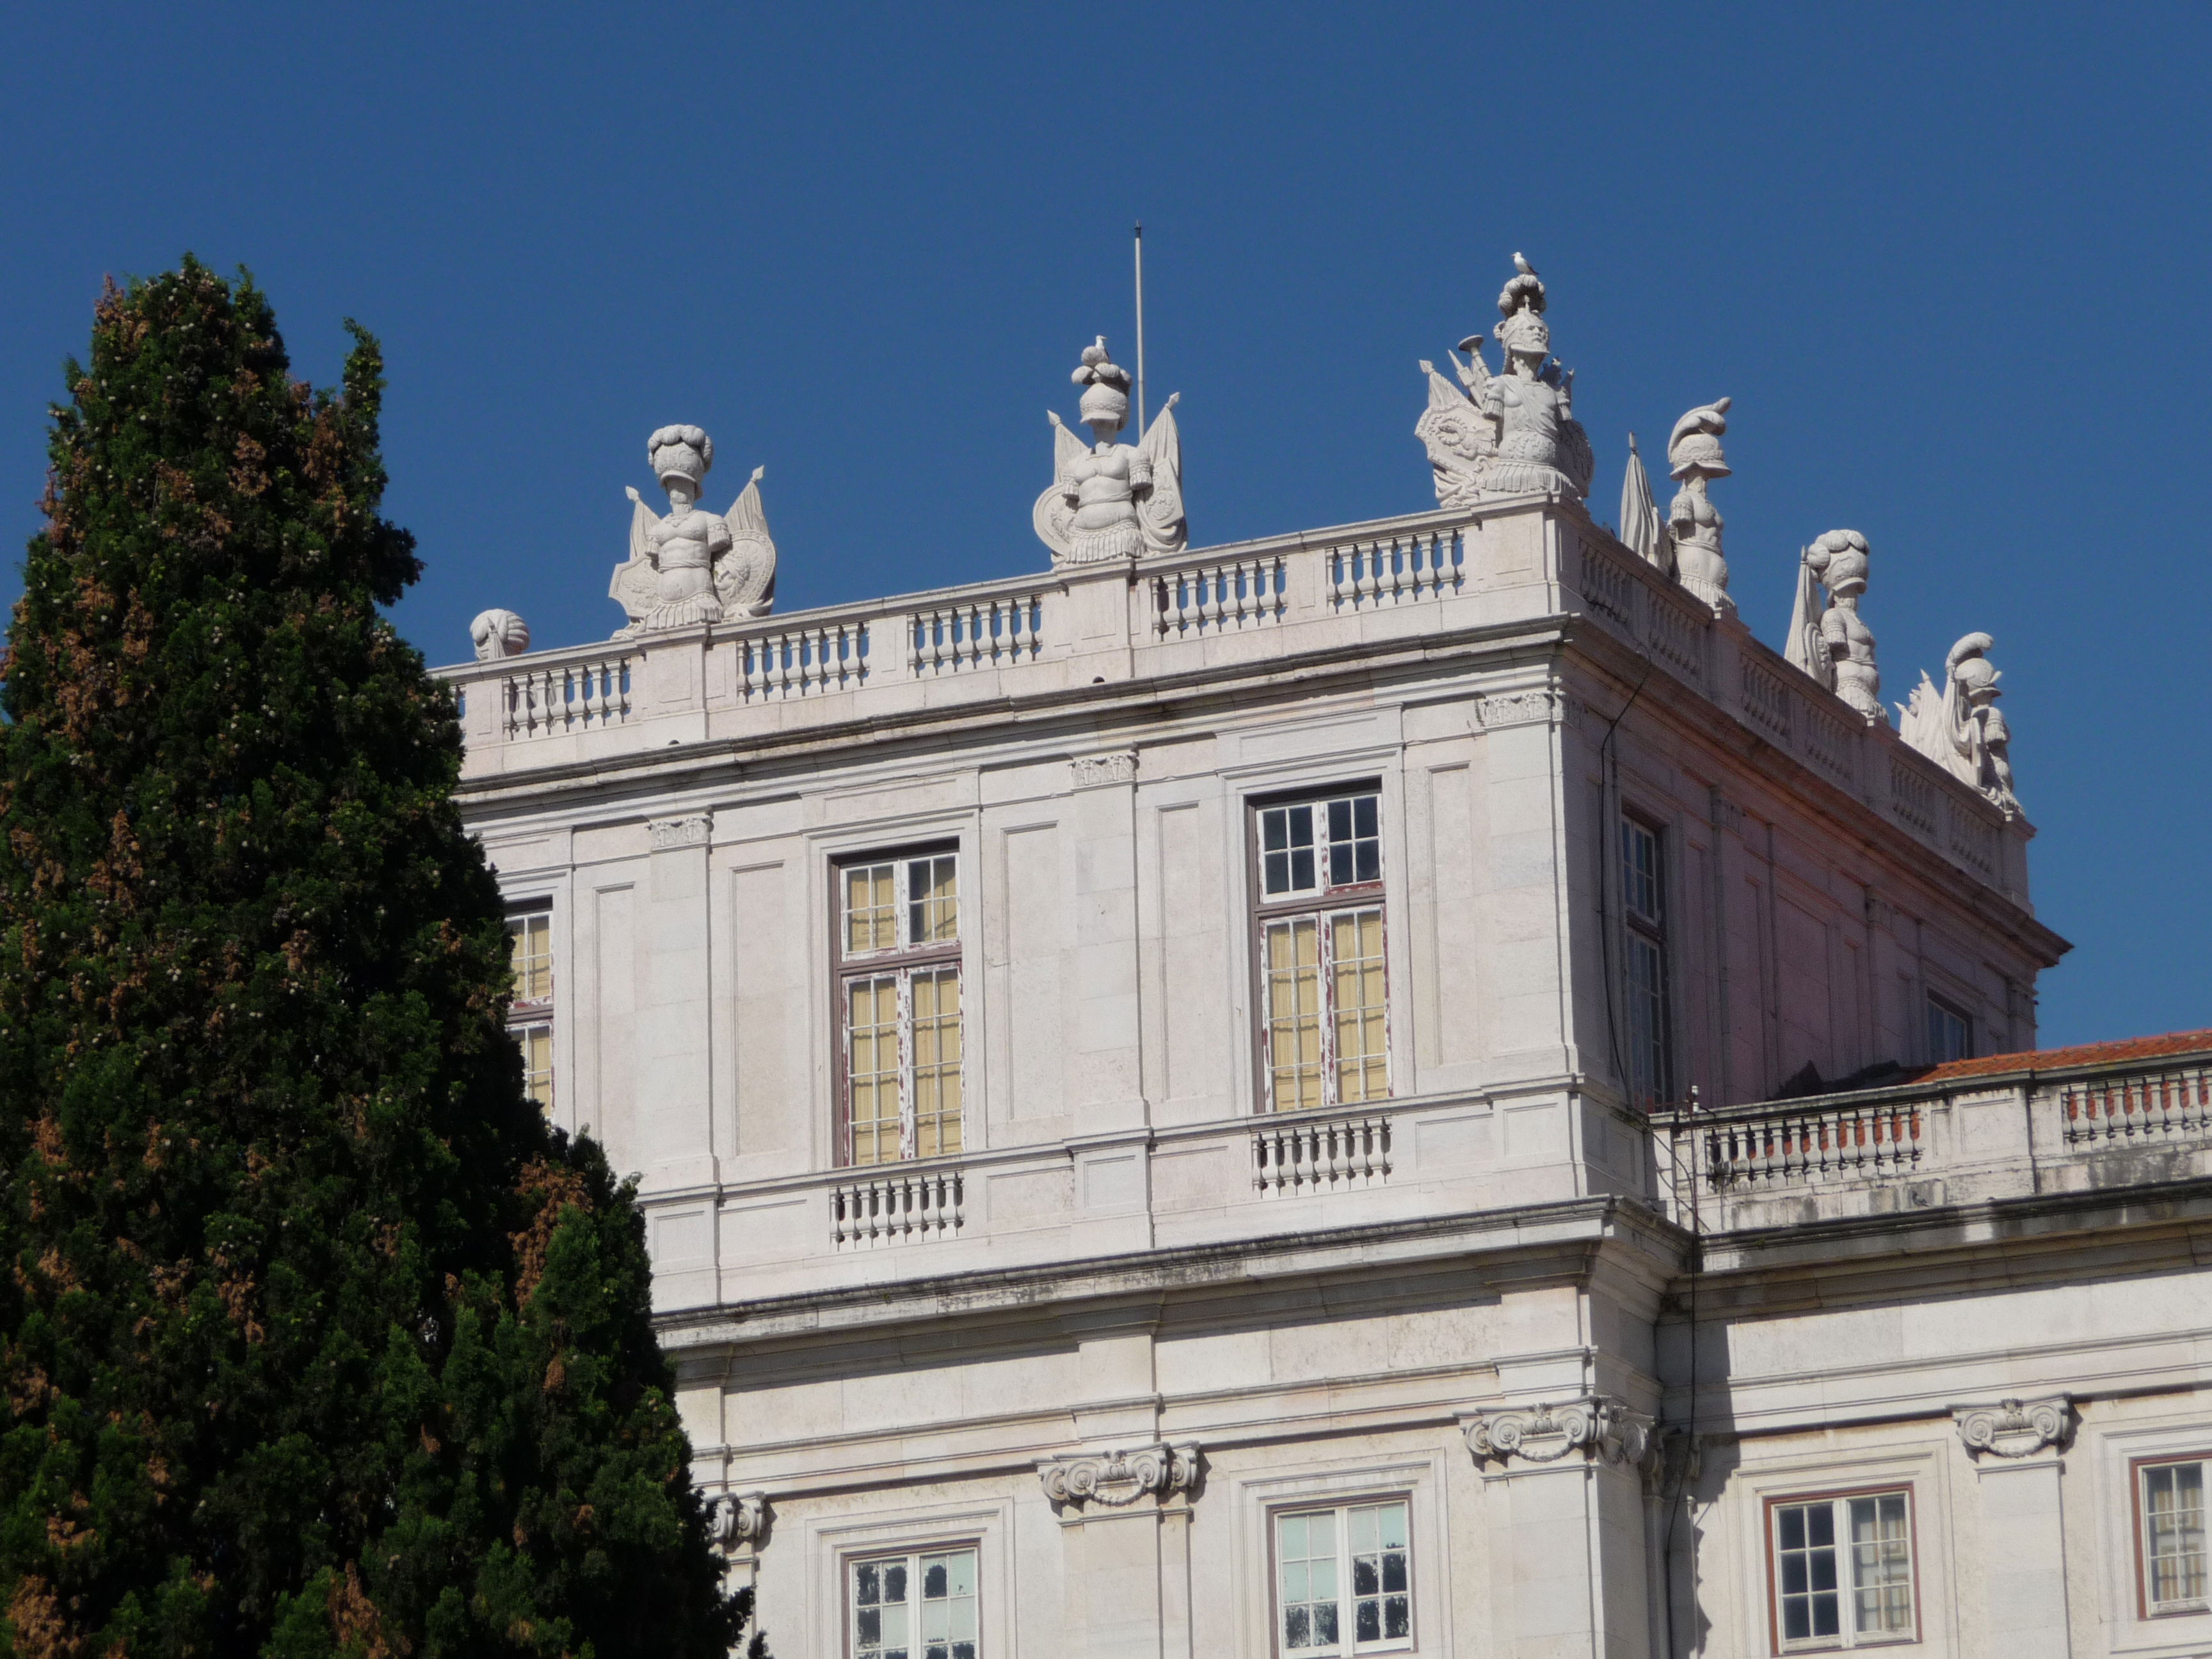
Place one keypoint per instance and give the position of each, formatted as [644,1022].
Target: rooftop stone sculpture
[1641,532]
[693,566]
[1109,500]
[1962,730]
[1827,639]
[1512,433]
[498,633]
[1695,456]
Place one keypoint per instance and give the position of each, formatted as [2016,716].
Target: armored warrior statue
[1109,500]
[1513,432]
[1963,730]
[1693,456]
[693,566]
[498,633]
[1828,639]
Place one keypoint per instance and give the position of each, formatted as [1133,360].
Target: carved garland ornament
[1095,771]
[690,830]
[1601,1428]
[1118,1478]
[2016,1428]
[1519,707]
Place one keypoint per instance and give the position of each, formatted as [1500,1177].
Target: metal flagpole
[1141,329]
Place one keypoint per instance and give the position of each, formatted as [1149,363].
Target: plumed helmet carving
[680,451]
[1694,446]
[1106,386]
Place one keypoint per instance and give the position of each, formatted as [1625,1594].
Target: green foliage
[317,1341]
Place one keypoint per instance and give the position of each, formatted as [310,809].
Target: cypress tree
[317,1339]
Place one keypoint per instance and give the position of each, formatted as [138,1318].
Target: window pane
[882,1619]
[1355,959]
[1286,846]
[1950,1034]
[2173,1533]
[937,1063]
[932,900]
[871,909]
[536,1043]
[1381,1607]
[1305,1582]
[1291,950]
[1881,1565]
[530,955]
[871,1067]
[1805,1571]
[1639,871]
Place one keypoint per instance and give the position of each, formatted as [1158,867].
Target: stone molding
[2016,1428]
[691,830]
[1521,708]
[1097,771]
[1603,1430]
[741,1519]
[1116,1479]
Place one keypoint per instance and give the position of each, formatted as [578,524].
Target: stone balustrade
[1953,1139]
[1522,561]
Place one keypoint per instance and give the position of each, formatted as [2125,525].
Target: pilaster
[675,1136]
[1125,1531]
[2018,1451]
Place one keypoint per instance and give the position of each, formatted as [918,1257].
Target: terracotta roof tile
[2087,1053]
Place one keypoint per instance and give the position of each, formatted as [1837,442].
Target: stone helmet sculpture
[1520,302]
[1106,387]
[680,451]
[498,633]
[1694,446]
[1839,559]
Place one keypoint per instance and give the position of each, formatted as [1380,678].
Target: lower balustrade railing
[1786,1146]
[896,1209]
[1291,1156]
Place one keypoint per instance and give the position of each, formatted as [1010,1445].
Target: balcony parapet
[1245,605]
[1991,1133]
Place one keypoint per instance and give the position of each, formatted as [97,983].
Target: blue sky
[1952,266]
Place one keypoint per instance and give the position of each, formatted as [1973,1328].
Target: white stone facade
[924,960]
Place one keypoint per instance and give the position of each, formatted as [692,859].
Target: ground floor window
[2171,1542]
[1843,1570]
[918,1605]
[1344,1579]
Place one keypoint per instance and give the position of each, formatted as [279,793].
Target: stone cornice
[1492,1251]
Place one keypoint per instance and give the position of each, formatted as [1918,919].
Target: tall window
[2171,1543]
[898,994]
[1843,1570]
[1950,1032]
[1324,1032]
[1644,906]
[1344,1579]
[530,1014]
[920,1605]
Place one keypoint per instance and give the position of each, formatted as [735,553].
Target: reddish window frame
[2138,1522]
[1829,1495]
[843,967]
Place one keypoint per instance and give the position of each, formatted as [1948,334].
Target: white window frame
[1847,1587]
[915,1561]
[528,1016]
[1347,1595]
[902,961]
[2139,1470]
[1323,901]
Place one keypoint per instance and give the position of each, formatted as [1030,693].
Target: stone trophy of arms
[1514,431]
[1109,500]
[693,566]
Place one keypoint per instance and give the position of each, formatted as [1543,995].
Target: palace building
[1407,1088]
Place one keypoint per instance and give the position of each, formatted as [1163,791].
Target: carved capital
[741,1519]
[2016,1428]
[1117,1478]
[1521,708]
[1602,1430]
[1096,771]
[690,830]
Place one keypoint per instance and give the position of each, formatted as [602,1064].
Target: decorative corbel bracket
[741,1519]
[1116,1479]
[1603,1430]
[2016,1428]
